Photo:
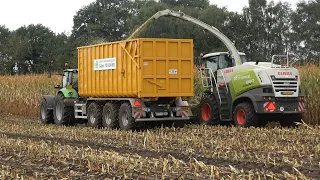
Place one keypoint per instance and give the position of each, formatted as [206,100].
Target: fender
[50,101]
[69,93]
[247,96]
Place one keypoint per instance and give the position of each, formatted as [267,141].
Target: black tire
[244,115]
[290,120]
[126,121]
[94,115]
[110,116]
[46,116]
[62,114]
[208,110]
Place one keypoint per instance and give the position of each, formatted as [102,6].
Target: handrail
[225,81]
[287,56]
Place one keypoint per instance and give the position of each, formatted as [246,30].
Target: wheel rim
[107,117]
[241,117]
[59,111]
[125,118]
[43,112]
[206,112]
[92,116]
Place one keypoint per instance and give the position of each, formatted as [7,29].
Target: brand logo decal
[241,77]
[228,71]
[285,73]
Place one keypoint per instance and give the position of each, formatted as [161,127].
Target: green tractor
[59,108]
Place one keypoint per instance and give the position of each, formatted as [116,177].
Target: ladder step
[81,117]
[78,110]
[78,105]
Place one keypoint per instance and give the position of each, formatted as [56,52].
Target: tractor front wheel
[244,115]
[46,116]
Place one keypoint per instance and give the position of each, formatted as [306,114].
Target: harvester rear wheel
[290,120]
[209,111]
[62,114]
[244,115]
[110,115]
[46,116]
[94,115]
[126,120]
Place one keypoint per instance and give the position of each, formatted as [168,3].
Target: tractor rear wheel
[290,120]
[244,115]
[62,114]
[209,111]
[46,116]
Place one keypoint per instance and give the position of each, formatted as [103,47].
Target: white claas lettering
[285,73]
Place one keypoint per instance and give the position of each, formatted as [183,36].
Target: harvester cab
[212,62]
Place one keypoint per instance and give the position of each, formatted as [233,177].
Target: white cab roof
[221,53]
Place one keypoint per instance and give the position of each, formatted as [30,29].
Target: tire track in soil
[247,166]
[47,170]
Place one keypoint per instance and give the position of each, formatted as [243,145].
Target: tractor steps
[224,106]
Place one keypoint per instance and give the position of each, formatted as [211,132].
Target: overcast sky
[58,14]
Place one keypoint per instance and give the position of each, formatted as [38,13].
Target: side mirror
[57,86]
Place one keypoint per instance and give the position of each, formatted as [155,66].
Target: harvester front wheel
[244,115]
[46,116]
[109,115]
[94,115]
[62,114]
[209,111]
[126,120]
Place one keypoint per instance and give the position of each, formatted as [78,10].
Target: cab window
[212,63]
[225,62]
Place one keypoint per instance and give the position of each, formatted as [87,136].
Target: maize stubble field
[31,150]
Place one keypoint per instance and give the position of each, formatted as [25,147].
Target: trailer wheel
[126,121]
[209,111]
[109,116]
[244,115]
[62,114]
[94,115]
[46,116]
[290,120]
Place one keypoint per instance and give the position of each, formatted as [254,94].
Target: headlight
[273,77]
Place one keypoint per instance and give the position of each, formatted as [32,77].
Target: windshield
[65,79]
[225,62]
[212,63]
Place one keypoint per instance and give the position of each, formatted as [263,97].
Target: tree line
[260,30]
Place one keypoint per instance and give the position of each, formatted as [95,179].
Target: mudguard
[50,101]
[69,93]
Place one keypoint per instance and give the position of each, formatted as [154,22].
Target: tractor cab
[220,60]
[70,77]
